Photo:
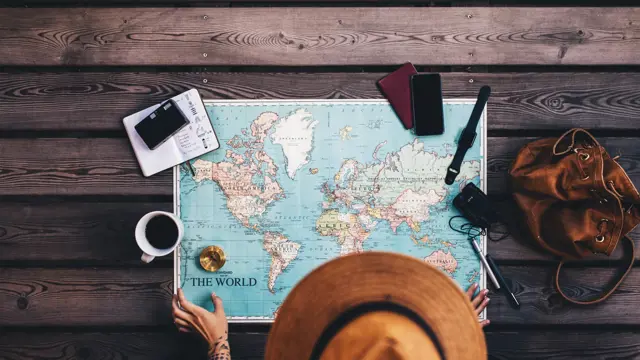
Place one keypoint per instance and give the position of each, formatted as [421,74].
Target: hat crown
[381,335]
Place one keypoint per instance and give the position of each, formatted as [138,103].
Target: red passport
[396,88]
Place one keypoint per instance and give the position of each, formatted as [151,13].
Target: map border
[176,178]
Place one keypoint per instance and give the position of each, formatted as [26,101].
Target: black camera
[475,206]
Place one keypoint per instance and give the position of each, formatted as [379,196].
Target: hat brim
[376,277]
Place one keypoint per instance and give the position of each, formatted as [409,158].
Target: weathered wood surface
[102,233]
[75,167]
[141,297]
[133,301]
[519,247]
[108,166]
[85,297]
[209,3]
[122,345]
[523,345]
[99,101]
[319,36]
[73,231]
[533,286]
[563,345]
[226,3]
[501,152]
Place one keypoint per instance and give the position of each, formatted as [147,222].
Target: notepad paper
[195,139]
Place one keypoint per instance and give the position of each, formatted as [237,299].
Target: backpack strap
[629,257]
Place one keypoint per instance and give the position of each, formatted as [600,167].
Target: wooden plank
[501,152]
[319,36]
[78,297]
[254,3]
[520,344]
[206,3]
[518,246]
[563,345]
[99,101]
[75,167]
[103,232]
[85,297]
[108,166]
[122,345]
[73,231]
[540,304]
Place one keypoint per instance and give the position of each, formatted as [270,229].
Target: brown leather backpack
[576,199]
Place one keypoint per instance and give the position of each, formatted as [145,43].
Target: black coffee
[162,232]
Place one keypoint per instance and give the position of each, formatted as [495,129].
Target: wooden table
[71,284]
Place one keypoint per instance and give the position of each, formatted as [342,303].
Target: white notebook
[195,139]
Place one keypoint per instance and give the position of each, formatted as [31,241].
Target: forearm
[220,350]
[220,356]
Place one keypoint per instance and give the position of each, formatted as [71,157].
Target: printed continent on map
[261,126]
[245,199]
[295,134]
[248,179]
[282,252]
[443,260]
[402,188]
[346,227]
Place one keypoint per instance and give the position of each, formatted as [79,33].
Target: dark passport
[397,89]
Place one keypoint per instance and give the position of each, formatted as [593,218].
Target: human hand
[212,326]
[479,302]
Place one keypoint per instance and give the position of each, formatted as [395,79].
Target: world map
[298,183]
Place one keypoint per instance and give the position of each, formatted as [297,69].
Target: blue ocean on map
[279,209]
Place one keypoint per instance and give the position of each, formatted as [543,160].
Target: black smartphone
[161,124]
[426,100]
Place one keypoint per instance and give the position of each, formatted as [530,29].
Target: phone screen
[426,96]
[161,124]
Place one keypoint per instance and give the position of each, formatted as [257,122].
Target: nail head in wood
[23,302]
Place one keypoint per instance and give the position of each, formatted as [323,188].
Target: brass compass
[212,258]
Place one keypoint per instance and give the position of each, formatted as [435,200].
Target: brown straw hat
[375,306]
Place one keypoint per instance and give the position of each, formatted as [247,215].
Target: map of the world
[297,183]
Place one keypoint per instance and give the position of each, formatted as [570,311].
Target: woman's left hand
[212,326]
[479,302]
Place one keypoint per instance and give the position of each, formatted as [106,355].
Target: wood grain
[122,345]
[501,152]
[108,166]
[519,247]
[73,231]
[563,345]
[540,304]
[99,101]
[319,36]
[141,297]
[102,232]
[520,344]
[254,3]
[75,167]
[85,297]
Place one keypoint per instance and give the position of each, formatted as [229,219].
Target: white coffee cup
[148,251]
